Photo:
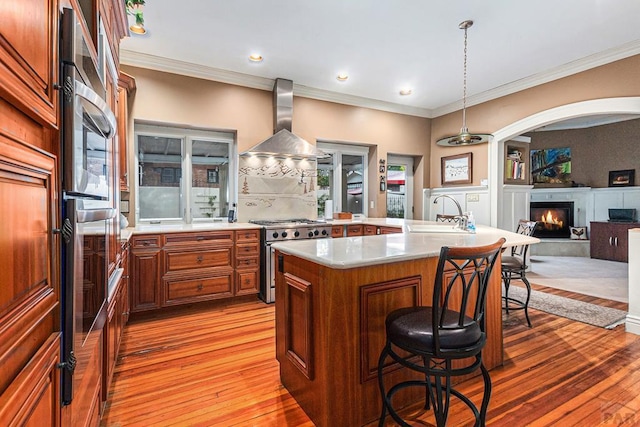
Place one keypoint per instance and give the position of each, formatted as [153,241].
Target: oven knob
[275,234]
[315,232]
[296,233]
[284,234]
[324,232]
[310,234]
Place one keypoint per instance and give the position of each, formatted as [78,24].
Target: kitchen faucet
[461,218]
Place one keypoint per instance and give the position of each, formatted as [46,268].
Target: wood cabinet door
[29,58]
[600,245]
[145,286]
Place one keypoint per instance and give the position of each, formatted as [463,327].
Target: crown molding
[584,64]
[144,60]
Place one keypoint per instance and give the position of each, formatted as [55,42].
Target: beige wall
[596,151]
[165,97]
[617,79]
[170,98]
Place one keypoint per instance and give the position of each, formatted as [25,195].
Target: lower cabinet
[33,398]
[182,268]
[610,240]
[145,272]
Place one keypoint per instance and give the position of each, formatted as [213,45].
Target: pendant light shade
[464,137]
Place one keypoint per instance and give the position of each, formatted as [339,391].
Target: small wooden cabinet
[610,240]
[247,264]
[145,272]
[337,231]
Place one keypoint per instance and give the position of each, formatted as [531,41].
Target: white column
[633,317]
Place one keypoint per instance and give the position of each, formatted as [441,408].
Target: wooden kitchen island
[332,297]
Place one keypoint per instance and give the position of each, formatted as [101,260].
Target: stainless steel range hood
[283,142]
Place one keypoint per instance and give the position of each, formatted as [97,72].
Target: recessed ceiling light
[255,57]
[405,92]
[342,77]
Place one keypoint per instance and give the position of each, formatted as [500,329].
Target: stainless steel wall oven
[88,205]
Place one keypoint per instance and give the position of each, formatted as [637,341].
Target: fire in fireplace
[554,219]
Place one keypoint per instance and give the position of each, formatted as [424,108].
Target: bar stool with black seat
[435,336]
[514,267]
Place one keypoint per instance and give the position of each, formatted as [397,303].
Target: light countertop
[352,252]
[184,228]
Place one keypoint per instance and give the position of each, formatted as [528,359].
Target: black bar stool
[452,328]
[514,267]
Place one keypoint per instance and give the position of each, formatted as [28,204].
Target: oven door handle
[90,215]
[107,123]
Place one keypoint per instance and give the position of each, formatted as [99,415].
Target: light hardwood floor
[214,365]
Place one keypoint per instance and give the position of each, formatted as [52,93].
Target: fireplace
[554,219]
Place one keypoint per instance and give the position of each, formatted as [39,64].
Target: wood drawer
[185,260]
[145,241]
[355,230]
[179,291]
[247,282]
[370,230]
[247,235]
[184,239]
[247,262]
[337,231]
[247,249]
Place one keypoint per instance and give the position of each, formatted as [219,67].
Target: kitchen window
[347,189]
[184,174]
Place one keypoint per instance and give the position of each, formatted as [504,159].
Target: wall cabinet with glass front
[516,164]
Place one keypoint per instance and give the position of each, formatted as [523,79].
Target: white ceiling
[386,45]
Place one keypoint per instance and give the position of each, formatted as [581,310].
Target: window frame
[186,135]
[337,150]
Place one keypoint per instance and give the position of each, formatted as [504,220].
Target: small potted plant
[134,8]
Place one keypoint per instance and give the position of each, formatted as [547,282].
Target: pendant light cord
[464,83]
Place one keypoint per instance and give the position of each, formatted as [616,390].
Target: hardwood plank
[214,365]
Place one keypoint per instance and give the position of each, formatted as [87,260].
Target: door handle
[610,241]
[616,241]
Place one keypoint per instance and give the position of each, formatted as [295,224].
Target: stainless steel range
[277,231]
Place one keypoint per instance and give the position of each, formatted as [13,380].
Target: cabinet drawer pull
[200,287]
[615,239]
[200,238]
[247,281]
[610,241]
[199,259]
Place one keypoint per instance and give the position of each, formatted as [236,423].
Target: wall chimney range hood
[284,143]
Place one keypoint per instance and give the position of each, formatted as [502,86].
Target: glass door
[399,187]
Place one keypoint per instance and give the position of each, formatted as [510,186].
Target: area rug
[591,314]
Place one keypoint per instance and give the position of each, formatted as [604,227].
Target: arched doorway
[626,105]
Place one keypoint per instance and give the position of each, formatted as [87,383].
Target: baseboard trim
[632,324]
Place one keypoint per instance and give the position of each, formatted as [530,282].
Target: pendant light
[464,137]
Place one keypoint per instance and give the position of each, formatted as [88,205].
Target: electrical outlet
[372,204]
[473,197]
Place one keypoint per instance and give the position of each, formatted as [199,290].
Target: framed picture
[624,178]
[551,166]
[456,169]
